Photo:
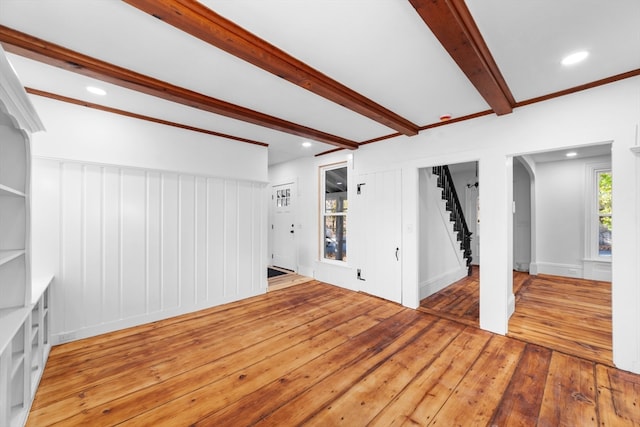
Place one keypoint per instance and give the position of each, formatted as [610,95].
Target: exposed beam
[452,24]
[125,113]
[58,56]
[196,19]
[456,120]
[590,85]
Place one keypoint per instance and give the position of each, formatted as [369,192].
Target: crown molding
[14,100]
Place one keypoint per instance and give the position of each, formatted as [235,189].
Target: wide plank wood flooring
[286,280]
[320,355]
[459,301]
[564,314]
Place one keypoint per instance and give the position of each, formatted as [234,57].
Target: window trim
[592,215]
[321,209]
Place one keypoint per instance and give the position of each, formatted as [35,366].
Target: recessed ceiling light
[306,144]
[571,154]
[575,57]
[445,117]
[96,90]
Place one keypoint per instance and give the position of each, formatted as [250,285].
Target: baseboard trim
[597,270]
[564,270]
[511,305]
[91,331]
[431,286]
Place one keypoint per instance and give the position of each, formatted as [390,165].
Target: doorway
[445,284]
[565,303]
[283,230]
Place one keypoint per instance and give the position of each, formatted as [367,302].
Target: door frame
[271,217]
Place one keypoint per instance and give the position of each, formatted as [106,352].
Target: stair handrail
[456,200]
[455,206]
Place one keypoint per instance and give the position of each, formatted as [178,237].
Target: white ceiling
[582,152]
[381,49]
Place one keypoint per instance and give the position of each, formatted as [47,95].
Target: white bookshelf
[24,315]
[26,344]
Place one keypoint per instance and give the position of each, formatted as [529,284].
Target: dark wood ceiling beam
[452,24]
[125,113]
[590,85]
[33,48]
[201,22]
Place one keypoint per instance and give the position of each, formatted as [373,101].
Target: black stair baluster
[456,215]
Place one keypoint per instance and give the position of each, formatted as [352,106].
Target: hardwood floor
[564,314]
[459,301]
[321,355]
[286,280]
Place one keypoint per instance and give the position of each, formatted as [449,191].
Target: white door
[378,197]
[283,227]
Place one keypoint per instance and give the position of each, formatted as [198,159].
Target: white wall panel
[45,225]
[110,241]
[259,234]
[154,237]
[170,273]
[132,251]
[139,245]
[215,231]
[92,242]
[245,234]
[230,239]
[187,234]
[200,244]
[71,246]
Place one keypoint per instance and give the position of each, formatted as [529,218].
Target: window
[283,198]
[334,207]
[603,180]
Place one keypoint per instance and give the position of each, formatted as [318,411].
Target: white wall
[521,217]
[87,135]
[139,222]
[441,260]
[603,114]
[561,193]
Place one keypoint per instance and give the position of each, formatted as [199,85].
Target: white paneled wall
[139,245]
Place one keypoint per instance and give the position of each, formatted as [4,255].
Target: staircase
[449,195]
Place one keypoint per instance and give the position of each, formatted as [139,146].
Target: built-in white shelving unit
[24,317]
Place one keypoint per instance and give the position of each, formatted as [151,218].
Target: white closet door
[379,225]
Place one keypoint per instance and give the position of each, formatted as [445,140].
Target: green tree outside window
[604,213]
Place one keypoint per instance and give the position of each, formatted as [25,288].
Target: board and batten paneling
[139,245]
